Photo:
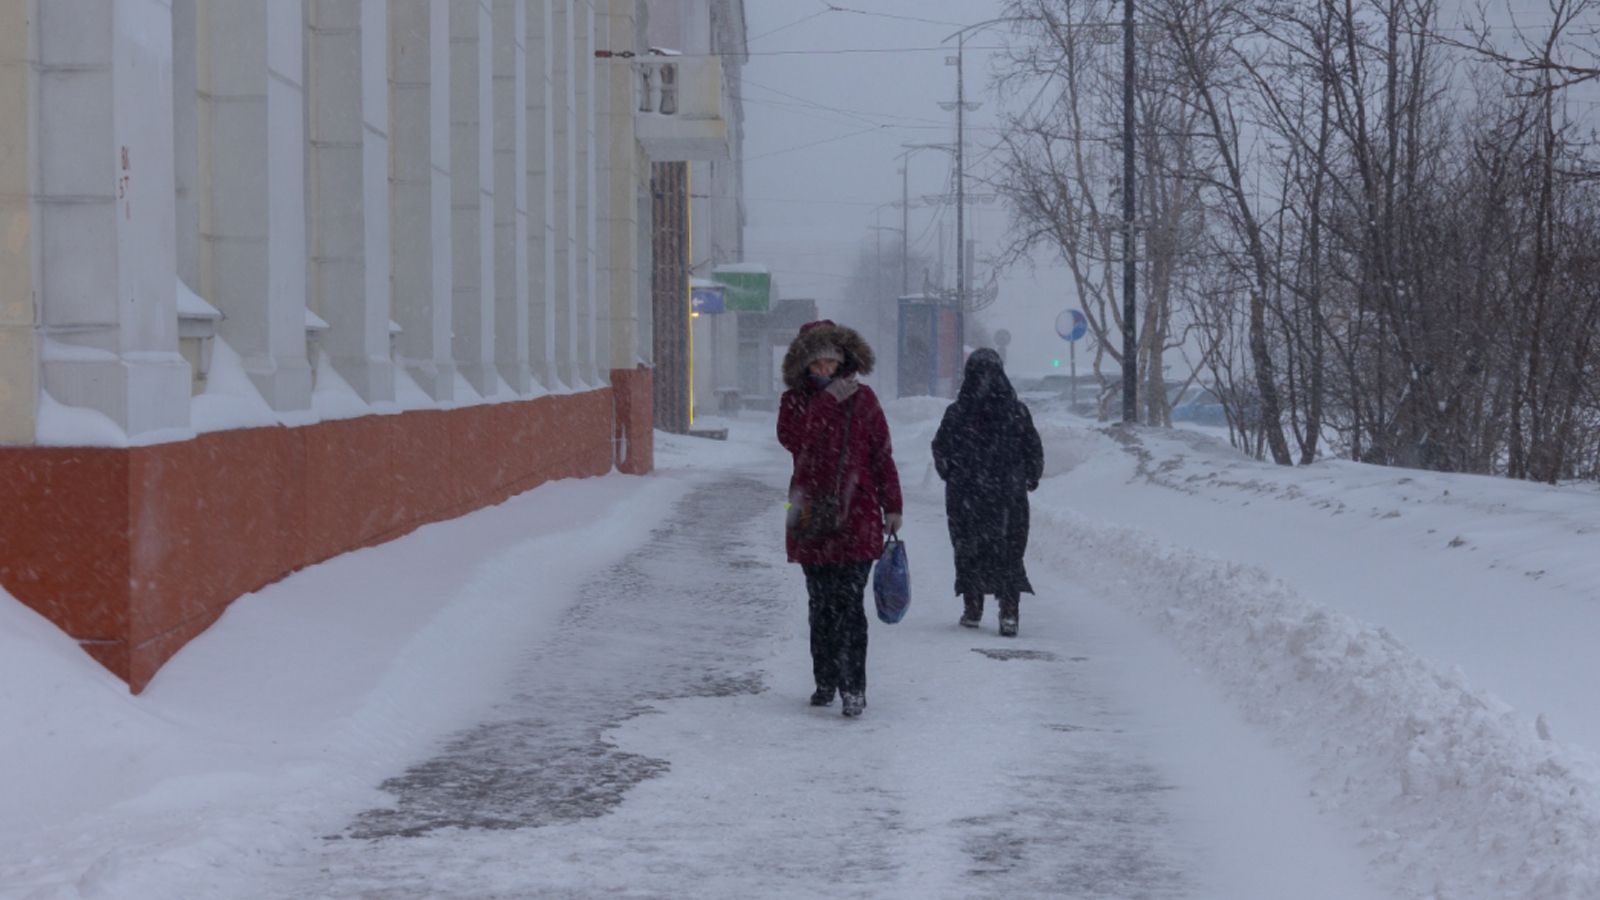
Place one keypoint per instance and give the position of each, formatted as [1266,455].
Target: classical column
[18,345]
[186,137]
[563,185]
[585,306]
[252,189]
[419,190]
[377,310]
[624,174]
[511,194]
[600,169]
[472,191]
[106,283]
[347,190]
[541,192]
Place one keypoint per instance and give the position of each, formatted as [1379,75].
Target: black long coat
[989,455]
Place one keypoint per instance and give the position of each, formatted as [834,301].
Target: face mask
[820,380]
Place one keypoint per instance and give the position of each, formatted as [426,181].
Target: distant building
[929,352]
[282,280]
[764,338]
[699,189]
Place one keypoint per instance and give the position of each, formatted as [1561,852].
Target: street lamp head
[984,24]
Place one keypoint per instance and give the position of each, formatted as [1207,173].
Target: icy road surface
[624,678]
[659,745]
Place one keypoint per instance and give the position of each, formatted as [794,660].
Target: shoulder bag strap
[844,449]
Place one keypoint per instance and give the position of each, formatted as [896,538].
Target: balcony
[679,116]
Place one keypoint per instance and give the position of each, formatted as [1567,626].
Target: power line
[814,114]
[866,203]
[817,114]
[750,159]
[787,27]
[850,112]
[830,8]
[881,15]
[847,50]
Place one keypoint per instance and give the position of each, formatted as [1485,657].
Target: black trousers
[839,624]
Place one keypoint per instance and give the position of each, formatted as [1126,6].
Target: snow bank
[1454,796]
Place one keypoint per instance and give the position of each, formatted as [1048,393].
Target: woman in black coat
[989,455]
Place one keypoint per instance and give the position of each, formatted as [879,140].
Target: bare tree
[872,293]
[1062,178]
[1375,246]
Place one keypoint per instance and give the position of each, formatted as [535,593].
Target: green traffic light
[1056,363]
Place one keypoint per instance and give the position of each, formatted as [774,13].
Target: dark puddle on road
[488,779]
[1008,654]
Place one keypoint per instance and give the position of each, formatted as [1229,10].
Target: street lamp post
[877,277]
[905,208]
[961,211]
[961,108]
[1130,358]
[1130,344]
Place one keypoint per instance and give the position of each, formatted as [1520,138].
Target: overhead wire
[883,15]
[863,114]
[810,113]
[866,203]
[851,50]
[822,117]
[829,140]
[788,26]
[812,108]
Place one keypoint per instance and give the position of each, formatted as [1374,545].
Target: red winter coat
[811,426]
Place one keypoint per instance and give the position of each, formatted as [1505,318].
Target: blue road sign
[1072,325]
[707,300]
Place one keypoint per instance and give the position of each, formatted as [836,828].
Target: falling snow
[1233,680]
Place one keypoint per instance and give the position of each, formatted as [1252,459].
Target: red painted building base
[634,392]
[135,551]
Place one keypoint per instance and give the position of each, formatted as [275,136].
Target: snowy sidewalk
[614,704]
[659,745]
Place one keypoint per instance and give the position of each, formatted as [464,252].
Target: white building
[712,30]
[411,237]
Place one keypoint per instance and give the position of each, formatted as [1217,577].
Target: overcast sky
[832,92]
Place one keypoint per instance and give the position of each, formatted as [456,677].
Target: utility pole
[1130,346]
[905,207]
[885,332]
[961,107]
[905,223]
[877,267]
[961,212]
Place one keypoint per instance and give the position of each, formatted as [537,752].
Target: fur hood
[813,337]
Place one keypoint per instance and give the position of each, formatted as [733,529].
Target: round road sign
[1071,325]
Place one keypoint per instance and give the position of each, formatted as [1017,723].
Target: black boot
[854,702]
[1008,614]
[974,610]
[822,696]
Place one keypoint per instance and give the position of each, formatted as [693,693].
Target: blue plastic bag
[891,582]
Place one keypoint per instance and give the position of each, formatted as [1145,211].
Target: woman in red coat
[834,427]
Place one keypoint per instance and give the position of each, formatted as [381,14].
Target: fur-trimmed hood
[814,336]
